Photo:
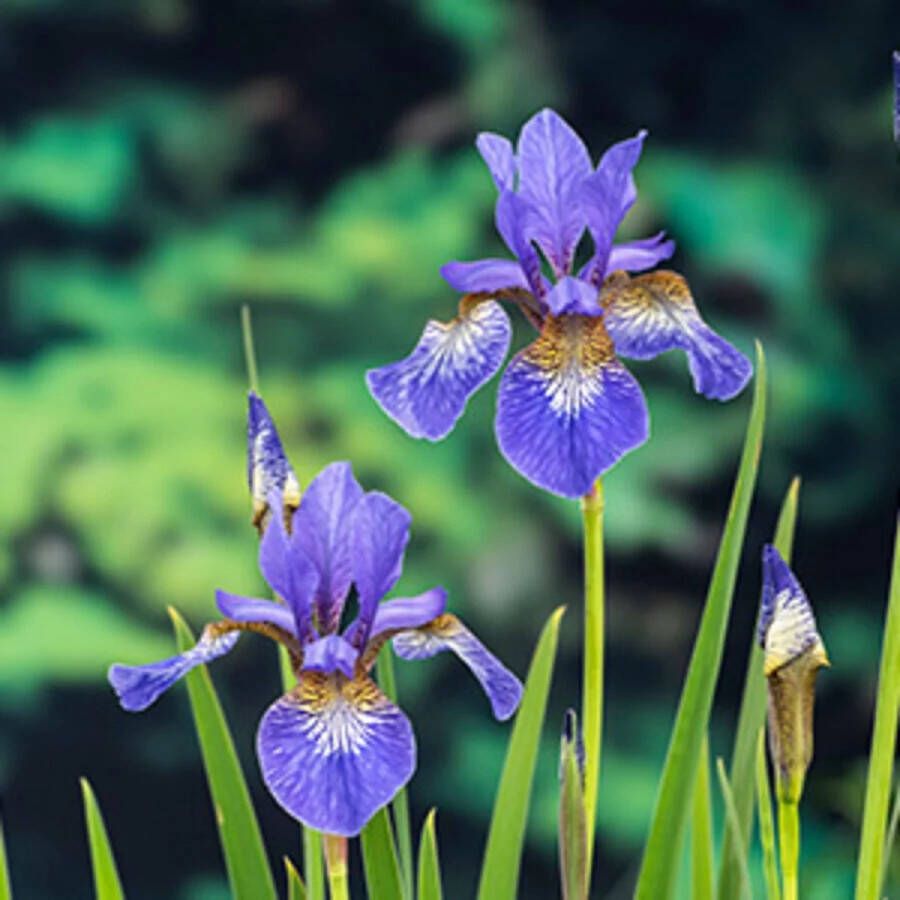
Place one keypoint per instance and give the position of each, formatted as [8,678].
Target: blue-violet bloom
[567,409]
[334,749]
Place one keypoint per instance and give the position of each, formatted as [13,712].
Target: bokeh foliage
[165,161]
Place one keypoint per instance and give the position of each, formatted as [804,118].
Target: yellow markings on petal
[649,292]
[571,342]
[569,355]
[317,691]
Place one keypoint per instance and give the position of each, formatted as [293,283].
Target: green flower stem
[789,844]
[336,865]
[592,678]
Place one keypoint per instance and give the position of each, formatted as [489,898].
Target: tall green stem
[336,864]
[789,844]
[592,677]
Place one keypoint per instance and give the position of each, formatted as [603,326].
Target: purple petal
[567,408]
[409,612]
[333,752]
[787,626]
[289,573]
[653,313]
[637,256]
[571,295]
[503,689]
[553,162]
[607,195]
[380,532]
[139,686]
[514,218]
[484,276]
[320,531]
[330,654]
[427,392]
[249,609]
[497,152]
[268,469]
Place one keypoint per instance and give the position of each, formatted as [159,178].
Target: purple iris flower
[334,749]
[567,408]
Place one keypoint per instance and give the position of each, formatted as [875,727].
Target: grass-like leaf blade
[884,741]
[380,862]
[296,890]
[103,864]
[662,854]
[731,823]
[703,860]
[242,846]
[750,718]
[400,804]
[766,821]
[429,874]
[502,857]
[890,840]
[5,884]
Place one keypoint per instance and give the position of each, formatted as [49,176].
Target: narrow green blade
[296,890]
[662,854]
[242,846]
[429,876]
[400,804]
[573,845]
[106,877]
[732,824]
[766,820]
[313,864]
[703,881]
[5,885]
[502,856]
[380,863]
[889,841]
[884,740]
[750,718]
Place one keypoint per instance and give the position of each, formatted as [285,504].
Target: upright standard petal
[321,532]
[250,609]
[787,627]
[427,392]
[553,163]
[334,751]
[268,469]
[139,686]
[379,534]
[653,313]
[606,196]
[290,573]
[497,153]
[567,408]
[514,217]
[446,632]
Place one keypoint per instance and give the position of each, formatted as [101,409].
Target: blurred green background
[164,161]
